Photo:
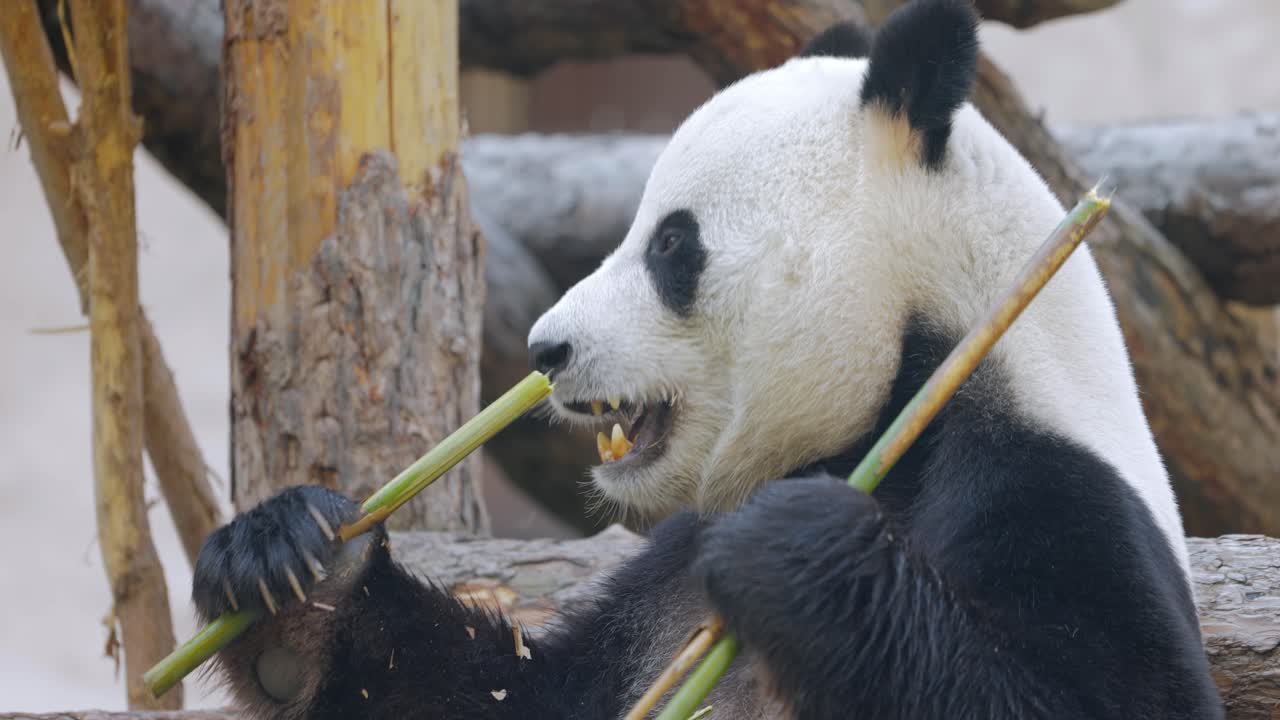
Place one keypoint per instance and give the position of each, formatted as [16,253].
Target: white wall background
[1145,59]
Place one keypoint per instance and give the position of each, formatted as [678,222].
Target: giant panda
[808,248]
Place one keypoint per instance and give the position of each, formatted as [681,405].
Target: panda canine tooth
[597,408]
[619,444]
[615,402]
[603,447]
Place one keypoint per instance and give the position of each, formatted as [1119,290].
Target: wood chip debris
[323,606]
[471,631]
[365,693]
[498,695]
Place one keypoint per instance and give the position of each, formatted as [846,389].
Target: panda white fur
[811,244]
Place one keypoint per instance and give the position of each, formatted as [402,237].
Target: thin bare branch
[102,177]
[48,131]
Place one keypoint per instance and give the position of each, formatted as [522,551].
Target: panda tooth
[603,447]
[597,408]
[619,443]
[615,402]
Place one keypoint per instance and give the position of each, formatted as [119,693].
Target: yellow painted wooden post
[356,305]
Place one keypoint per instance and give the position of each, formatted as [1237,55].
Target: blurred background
[1144,60]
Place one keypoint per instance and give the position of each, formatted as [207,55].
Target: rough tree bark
[1235,577]
[357,311]
[102,176]
[180,468]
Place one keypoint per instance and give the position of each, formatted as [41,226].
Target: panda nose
[549,357]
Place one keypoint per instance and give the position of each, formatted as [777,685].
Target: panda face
[751,321]
[706,325]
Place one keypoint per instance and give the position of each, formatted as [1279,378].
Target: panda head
[750,321]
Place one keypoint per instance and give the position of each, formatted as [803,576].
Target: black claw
[252,562]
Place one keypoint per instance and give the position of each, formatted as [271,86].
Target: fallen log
[1212,188]
[1236,580]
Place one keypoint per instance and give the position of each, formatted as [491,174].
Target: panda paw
[274,555]
[773,566]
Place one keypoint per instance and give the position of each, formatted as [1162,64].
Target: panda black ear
[845,40]
[922,68]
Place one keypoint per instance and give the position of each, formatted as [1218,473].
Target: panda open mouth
[638,431]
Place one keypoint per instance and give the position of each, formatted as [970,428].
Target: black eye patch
[675,258]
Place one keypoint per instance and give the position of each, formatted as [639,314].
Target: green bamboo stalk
[462,442]
[688,699]
[202,646]
[922,408]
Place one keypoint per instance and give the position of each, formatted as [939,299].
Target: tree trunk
[357,284]
[1235,578]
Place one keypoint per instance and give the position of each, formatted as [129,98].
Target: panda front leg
[844,621]
[346,632]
